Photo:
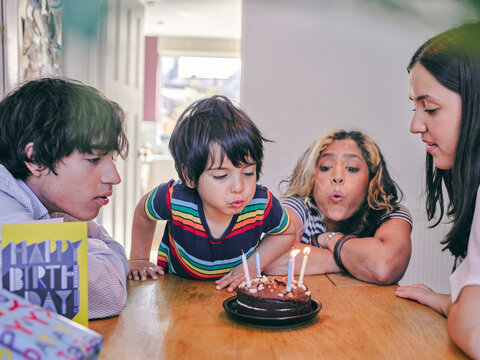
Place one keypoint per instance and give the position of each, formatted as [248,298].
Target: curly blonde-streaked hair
[382,194]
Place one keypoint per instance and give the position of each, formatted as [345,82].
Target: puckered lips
[237,204]
[336,196]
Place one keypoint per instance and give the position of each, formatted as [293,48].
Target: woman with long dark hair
[445,87]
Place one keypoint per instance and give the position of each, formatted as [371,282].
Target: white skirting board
[428,264]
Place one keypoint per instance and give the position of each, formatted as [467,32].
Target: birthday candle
[257,258]
[245,270]
[306,252]
[291,268]
[295,252]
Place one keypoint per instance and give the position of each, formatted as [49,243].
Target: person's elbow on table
[106,298]
[107,286]
[386,273]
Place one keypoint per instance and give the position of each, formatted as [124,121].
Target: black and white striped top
[312,218]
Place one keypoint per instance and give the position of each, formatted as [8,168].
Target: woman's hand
[426,296]
[327,240]
[142,269]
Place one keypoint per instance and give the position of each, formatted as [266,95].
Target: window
[185,79]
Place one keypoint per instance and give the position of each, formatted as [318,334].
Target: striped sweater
[187,247]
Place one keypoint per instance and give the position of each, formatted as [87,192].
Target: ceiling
[193,18]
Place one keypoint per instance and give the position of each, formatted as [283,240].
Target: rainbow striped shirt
[187,247]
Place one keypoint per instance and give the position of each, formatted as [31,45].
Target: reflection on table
[175,318]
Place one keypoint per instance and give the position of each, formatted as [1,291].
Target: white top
[107,262]
[468,271]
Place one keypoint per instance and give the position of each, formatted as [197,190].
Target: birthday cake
[268,297]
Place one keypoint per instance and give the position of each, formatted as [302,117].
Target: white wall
[311,66]
[110,56]
[9,54]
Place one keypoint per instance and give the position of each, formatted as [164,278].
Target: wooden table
[174,318]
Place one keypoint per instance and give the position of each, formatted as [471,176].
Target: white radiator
[428,264]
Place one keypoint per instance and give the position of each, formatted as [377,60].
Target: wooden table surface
[174,318]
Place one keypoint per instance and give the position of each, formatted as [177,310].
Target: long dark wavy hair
[453,58]
[383,194]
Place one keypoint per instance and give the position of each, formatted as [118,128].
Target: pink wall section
[150,89]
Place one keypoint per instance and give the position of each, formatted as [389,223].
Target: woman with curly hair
[341,200]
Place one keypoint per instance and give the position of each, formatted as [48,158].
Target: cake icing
[268,297]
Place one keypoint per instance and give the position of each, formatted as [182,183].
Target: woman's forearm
[320,261]
[463,322]
[380,259]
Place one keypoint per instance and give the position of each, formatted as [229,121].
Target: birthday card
[46,263]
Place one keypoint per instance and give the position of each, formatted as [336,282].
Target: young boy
[217,210]
[58,139]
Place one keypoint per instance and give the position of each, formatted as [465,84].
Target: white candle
[291,269]
[245,270]
[295,252]
[257,258]
[306,252]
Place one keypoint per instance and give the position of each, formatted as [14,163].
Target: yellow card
[46,263]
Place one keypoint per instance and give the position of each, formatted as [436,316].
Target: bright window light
[207,67]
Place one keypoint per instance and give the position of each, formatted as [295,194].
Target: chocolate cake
[268,297]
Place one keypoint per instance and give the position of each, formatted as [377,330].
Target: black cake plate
[230,306]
